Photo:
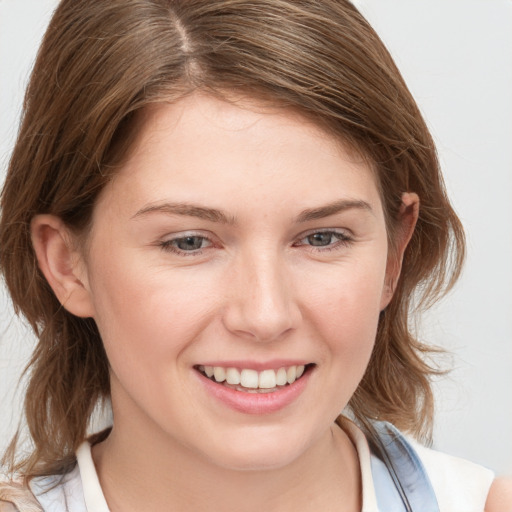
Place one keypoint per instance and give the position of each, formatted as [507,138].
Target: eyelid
[166,243]
[184,234]
[338,231]
[345,237]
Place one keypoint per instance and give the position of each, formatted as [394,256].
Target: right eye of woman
[188,244]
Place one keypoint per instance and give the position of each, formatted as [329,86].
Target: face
[236,268]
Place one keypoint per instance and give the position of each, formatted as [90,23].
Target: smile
[253,381]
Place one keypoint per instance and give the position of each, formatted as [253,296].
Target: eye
[320,239]
[325,239]
[186,244]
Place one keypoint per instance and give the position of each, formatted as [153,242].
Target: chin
[261,452]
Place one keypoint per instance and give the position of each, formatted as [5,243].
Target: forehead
[207,149]
[206,114]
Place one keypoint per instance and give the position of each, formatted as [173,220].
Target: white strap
[94,499]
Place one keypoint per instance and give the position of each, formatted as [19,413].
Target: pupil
[189,243]
[319,239]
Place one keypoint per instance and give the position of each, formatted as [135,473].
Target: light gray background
[456,56]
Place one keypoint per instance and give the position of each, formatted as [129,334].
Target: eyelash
[169,245]
[342,240]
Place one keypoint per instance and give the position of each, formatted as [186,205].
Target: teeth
[232,376]
[249,378]
[252,379]
[219,373]
[291,374]
[281,379]
[267,379]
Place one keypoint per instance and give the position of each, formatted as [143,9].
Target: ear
[408,216]
[62,264]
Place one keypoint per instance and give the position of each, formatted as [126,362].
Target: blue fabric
[388,498]
[400,480]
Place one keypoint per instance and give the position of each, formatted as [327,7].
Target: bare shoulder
[500,496]
[16,497]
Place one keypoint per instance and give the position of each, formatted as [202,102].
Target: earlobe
[408,216]
[61,264]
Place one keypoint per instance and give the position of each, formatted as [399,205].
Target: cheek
[345,308]
[148,315]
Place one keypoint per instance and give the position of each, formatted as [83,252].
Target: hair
[101,63]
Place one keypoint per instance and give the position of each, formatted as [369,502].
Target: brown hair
[101,62]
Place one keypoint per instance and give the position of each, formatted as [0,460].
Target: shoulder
[500,496]
[17,497]
[458,483]
[51,493]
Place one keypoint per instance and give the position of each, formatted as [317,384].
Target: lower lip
[256,403]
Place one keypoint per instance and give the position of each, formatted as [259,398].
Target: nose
[262,305]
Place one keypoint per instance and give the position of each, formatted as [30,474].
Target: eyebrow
[218,216]
[188,210]
[333,209]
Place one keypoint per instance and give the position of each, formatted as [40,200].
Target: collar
[95,499]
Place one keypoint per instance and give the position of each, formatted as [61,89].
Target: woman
[214,218]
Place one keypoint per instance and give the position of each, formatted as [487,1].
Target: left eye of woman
[325,239]
[186,244]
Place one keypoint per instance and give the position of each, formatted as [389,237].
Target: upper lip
[274,364]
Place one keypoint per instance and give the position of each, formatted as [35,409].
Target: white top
[460,485]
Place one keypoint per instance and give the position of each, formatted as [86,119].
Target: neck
[139,472]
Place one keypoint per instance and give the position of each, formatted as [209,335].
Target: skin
[256,290]
[500,496]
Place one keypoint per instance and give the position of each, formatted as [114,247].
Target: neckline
[93,493]
[95,499]
[358,439]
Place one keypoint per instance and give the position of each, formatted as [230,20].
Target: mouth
[248,380]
